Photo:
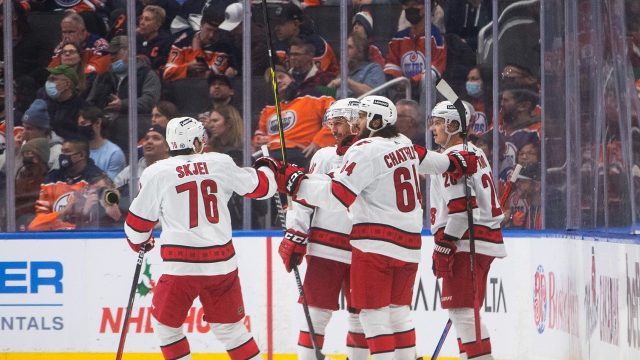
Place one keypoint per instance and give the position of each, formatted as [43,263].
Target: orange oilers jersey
[406,55]
[57,195]
[95,57]
[218,57]
[301,121]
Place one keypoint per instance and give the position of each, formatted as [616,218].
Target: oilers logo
[62,202]
[289,119]
[412,63]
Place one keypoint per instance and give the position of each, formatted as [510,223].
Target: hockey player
[188,193]
[329,252]
[451,233]
[378,182]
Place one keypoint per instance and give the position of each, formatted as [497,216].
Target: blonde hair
[157,12]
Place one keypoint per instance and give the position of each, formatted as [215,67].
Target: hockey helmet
[346,108]
[378,107]
[183,131]
[447,111]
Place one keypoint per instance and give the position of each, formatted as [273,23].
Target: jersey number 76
[208,189]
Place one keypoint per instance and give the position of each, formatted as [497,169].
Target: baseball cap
[232,17]
[285,12]
[117,43]
[37,115]
[219,78]
[278,68]
[530,172]
[65,70]
[159,129]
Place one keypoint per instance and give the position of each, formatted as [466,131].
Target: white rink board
[83,284]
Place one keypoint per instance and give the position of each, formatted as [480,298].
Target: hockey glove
[292,248]
[462,163]
[443,252]
[293,175]
[149,243]
[268,161]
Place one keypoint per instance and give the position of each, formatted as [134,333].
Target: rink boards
[62,296]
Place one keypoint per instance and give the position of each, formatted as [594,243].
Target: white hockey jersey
[188,194]
[449,214]
[378,182]
[328,229]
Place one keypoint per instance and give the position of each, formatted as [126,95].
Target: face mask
[65,161]
[28,161]
[87,132]
[51,89]
[413,15]
[474,88]
[119,66]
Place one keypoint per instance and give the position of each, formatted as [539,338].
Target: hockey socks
[357,348]
[462,320]
[173,343]
[403,332]
[319,319]
[377,328]
[237,340]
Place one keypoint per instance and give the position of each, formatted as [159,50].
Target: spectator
[524,209]
[36,125]
[364,75]
[480,95]
[62,189]
[407,122]
[110,91]
[362,24]
[287,22]
[220,90]
[71,55]
[171,8]
[94,56]
[195,55]
[521,126]
[35,155]
[151,40]
[224,128]
[529,154]
[93,127]
[63,101]
[466,17]
[154,148]
[406,54]
[163,112]
[233,18]
[311,79]
[301,120]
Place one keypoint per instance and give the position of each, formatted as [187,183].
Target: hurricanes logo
[289,119]
[146,284]
[412,63]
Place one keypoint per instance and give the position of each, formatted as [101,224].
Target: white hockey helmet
[346,108]
[447,111]
[378,107]
[183,131]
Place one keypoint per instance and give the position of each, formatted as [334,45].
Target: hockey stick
[503,201]
[132,294]
[296,273]
[446,90]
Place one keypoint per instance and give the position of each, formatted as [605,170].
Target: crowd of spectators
[72,98]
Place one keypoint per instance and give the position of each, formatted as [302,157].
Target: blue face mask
[51,89]
[119,66]
[474,88]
